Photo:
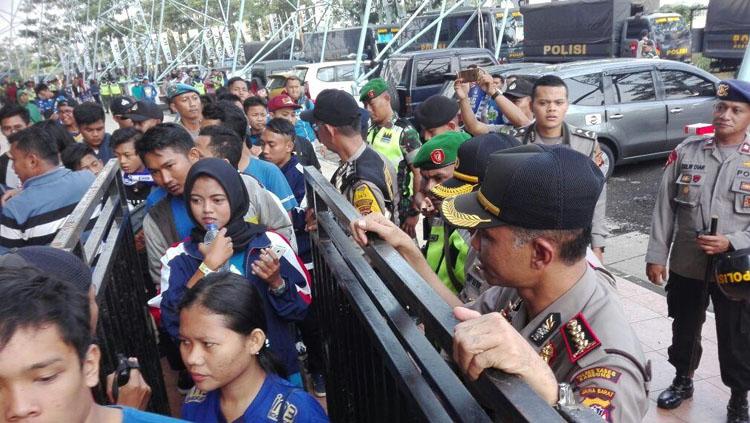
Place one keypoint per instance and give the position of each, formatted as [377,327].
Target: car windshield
[275,81]
[300,72]
[672,25]
[394,72]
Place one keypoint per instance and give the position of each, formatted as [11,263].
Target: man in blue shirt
[90,121]
[295,90]
[50,192]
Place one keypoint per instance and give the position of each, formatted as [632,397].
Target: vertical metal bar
[158,37]
[96,40]
[325,36]
[439,25]
[500,34]
[203,34]
[362,36]
[238,35]
[463,29]
[296,29]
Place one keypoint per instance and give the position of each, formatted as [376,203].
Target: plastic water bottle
[212,231]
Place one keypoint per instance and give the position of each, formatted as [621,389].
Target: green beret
[440,151]
[373,89]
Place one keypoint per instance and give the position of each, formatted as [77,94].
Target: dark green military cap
[440,151]
[373,89]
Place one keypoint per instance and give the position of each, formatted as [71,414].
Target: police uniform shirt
[587,341]
[277,401]
[584,142]
[697,184]
[368,181]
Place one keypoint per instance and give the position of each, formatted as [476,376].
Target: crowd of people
[512,204]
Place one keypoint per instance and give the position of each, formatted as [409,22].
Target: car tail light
[699,129]
[634,47]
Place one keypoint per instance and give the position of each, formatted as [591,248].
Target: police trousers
[687,301]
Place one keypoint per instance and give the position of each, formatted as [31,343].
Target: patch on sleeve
[599,400]
[364,200]
[195,395]
[545,329]
[597,373]
[273,412]
[579,338]
[548,353]
[290,414]
[671,159]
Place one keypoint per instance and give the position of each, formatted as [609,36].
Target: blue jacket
[291,306]
[295,175]
[277,401]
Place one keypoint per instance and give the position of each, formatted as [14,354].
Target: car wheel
[609,160]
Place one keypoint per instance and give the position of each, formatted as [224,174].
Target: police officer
[445,249]
[398,141]
[471,163]
[365,178]
[550,317]
[549,102]
[703,177]
[436,115]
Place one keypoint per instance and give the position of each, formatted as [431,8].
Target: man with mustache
[703,177]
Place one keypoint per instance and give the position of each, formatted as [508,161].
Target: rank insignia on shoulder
[548,353]
[545,329]
[709,143]
[195,395]
[586,134]
[578,337]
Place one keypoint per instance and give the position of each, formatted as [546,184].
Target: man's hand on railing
[385,229]
[136,393]
[311,222]
[489,341]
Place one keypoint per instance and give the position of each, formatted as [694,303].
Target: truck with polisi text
[568,30]
[727,32]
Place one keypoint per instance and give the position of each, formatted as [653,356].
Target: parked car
[276,82]
[417,75]
[638,107]
[262,70]
[320,76]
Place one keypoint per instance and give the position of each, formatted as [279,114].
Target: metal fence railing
[382,366]
[125,325]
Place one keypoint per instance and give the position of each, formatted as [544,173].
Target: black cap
[59,263]
[121,104]
[532,186]
[334,107]
[471,164]
[144,110]
[520,87]
[436,111]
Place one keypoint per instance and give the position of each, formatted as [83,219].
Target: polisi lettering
[564,49]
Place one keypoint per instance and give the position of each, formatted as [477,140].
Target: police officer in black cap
[704,177]
[436,115]
[549,317]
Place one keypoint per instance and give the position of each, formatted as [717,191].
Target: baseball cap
[436,111]
[734,90]
[334,107]
[121,104]
[471,164]
[531,186]
[439,151]
[520,87]
[372,89]
[144,110]
[62,264]
[282,101]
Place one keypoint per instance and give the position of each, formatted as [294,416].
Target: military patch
[371,94]
[686,178]
[672,158]
[437,156]
[599,400]
[597,373]
[578,337]
[723,90]
[195,395]
[548,353]
[290,413]
[364,200]
[745,148]
[545,329]
[696,178]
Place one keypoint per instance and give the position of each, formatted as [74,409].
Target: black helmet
[732,272]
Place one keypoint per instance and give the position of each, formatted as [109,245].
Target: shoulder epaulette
[585,133]
[579,338]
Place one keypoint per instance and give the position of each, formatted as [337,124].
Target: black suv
[417,75]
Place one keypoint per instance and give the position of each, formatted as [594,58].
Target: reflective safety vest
[447,259]
[200,87]
[387,141]
[116,90]
[104,89]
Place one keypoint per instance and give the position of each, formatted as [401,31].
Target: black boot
[681,388]
[737,407]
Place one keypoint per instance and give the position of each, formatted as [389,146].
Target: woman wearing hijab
[216,196]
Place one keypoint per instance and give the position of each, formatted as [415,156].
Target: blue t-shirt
[131,415]
[277,401]
[273,180]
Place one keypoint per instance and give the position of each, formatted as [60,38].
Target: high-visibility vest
[436,256]
[115,88]
[200,87]
[104,89]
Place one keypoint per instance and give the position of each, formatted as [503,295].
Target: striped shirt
[34,215]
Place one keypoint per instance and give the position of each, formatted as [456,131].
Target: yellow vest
[200,87]
[116,90]
[104,89]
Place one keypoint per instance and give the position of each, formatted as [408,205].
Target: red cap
[282,101]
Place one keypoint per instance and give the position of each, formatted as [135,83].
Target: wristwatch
[496,93]
[280,289]
[205,269]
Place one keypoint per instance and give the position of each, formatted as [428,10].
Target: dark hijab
[240,231]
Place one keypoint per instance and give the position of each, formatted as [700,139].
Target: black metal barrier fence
[125,325]
[382,367]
